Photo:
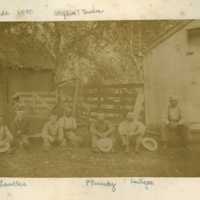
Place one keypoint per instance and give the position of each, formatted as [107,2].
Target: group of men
[62,129]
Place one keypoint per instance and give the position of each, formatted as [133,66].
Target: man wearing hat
[18,105]
[62,105]
[20,131]
[68,123]
[102,129]
[174,120]
[52,133]
[131,128]
[5,137]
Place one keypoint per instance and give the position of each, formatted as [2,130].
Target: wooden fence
[115,100]
[38,103]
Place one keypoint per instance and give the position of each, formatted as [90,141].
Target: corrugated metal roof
[24,54]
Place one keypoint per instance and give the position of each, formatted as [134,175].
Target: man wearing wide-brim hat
[131,128]
[5,137]
[18,105]
[174,120]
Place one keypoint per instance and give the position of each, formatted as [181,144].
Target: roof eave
[167,34]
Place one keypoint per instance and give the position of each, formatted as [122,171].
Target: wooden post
[99,99]
[34,104]
[138,105]
[56,96]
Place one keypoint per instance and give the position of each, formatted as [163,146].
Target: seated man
[5,135]
[20,131]
[131,128]
[68,123]
[102,129]
[52,133]
[173,120]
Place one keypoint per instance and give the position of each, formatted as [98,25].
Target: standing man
[17,103]
[174,120]
[68,123]
[102,129]
[63,105]
[20,131]
[53,133]
[131,128]
[5,136]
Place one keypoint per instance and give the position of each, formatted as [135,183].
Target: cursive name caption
[92,182]
[142,182]
[25,12]
[12,184]
[78,12]
[4,13]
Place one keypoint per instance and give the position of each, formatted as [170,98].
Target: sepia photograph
[100,99]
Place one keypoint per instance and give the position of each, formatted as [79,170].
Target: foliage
[96,51]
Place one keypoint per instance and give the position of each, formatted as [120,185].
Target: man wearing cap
[63,105]
[18,105]
[68,123]
[20,131]
[102,129]
[5,137]
[174,120]
[52,133]
[131,128]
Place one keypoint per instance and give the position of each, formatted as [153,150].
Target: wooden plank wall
[115,100]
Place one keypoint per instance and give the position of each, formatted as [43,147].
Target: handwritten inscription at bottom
[12,184]
[141,181]
[93,183]
[4,13]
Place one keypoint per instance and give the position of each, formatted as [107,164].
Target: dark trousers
[95,138]
[182,130]
[20,143]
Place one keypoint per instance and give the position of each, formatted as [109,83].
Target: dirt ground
[172,162]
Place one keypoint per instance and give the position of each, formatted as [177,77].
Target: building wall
[12,80]
[1,92]
[168,70]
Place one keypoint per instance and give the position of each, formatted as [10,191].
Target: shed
[23,67]
[172,65]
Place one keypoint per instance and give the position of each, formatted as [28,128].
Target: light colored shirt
[53,130]
[131,128]
[171,114]
[67,122]
[5,133]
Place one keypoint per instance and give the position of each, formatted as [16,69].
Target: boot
[113,150]
[126,148]
[165,145]
[188,145]
[137,148]
[96,150]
